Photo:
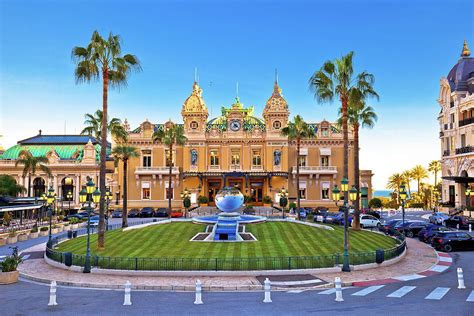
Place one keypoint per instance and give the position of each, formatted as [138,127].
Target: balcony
[464,150]
[145,171]
[466,121]
[446,153]
[316,170]
[214,167]
[441,134]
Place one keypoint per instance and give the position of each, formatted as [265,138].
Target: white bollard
[268,288]
[52,294]
[460,279]
[337,284]
[127,298]
[470,228]
[198,299]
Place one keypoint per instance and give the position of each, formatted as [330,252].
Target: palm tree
[419,173]
[31,164]
[408,177]
[93,127]
[359,115]
[336,79]
[171,135]
[394,183]
[435,167]
[124,153]
[103,58]
[9,187]
[296,131]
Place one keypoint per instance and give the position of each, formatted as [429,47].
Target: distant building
[456,119]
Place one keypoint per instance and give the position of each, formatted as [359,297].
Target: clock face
[235,125]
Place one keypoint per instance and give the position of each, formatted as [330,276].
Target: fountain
[226,224]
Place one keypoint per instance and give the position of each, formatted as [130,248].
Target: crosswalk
[435,294]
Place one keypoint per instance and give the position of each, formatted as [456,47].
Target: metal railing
[219,264]
[316,169]
[466,121]
[156,170]
[464,150]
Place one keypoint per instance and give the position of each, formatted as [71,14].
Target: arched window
[38,187]
[67,185]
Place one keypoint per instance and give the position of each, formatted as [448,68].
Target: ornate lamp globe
[403,193]
[229,199]
[90,186]
[83,196]
[353,193]
[336,193]
[468,192]
[96,196]
[344,185]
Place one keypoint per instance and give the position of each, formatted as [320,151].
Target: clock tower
[276,113]
[195,114]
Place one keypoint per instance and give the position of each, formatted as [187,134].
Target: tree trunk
[103,157]
[125,193]
[298,177]
[169,180]
[356,219]
[29,184]
[345,136]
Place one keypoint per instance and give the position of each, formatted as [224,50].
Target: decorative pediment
[52,156]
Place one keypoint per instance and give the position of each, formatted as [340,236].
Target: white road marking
[368,290]
[294,291]
[410,277]
[305,282]
[437,293]
[402,291]
[470,297]
[25,257]
[438,268]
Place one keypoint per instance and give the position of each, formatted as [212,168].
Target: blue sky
[407,45]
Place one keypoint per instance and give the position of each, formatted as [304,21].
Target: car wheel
[410,234]
[448,248]
[361,225]
[379,225]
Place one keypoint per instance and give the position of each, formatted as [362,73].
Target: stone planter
[12,240]
[66,228]
[3,241]
[267,205]
[203,204]
[34,235]
[9,277]
[22,237]
[74,226]
[54,231]
[44,233]
[60,229]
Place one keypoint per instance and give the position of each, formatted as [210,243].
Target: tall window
[146,191]
[168,159]
[324,161]
[302,161]
[302,193]
[146,158]
[325,190]
[169,191]
[235,159]
[256,158]
[463,140]
[214,158]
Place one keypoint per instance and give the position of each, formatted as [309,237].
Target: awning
[20,207]
[459,179]
[325,151]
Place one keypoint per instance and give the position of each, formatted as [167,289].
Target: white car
[367,221]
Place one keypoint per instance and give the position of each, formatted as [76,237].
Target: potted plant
[66,227]
[23,236]
[74,223]
[34,232]
[44,231]
[12,237]
[292,206]
[9,267]
[203,200]
[248,200]
[54,229]
[267,201]
[3,241]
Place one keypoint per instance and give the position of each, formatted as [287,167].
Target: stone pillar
[55,184]
[77,184]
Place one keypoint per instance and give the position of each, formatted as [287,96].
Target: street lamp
[283,200]
[50,198]
[69,198]
[108,198]
[403,197]
[88,195]
[186,197]
[336,195]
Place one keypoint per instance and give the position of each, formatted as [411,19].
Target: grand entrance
[213,187]
[256,188]
[235,183]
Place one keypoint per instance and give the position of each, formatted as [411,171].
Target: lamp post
[336,196]
[403,197]
[50,198]
[44,200]
[88,195]
[108,198]
[186,197]
[69,198]
[283,201]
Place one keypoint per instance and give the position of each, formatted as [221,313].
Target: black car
[117,213]
[162,212]
[413,228]
[134,212]
[427,233]
[456,220]
[388,227]
[449,241]
[147,212]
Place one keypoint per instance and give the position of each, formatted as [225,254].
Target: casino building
[456,121]
[239,149]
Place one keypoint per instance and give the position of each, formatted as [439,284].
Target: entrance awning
[20,207]
[459,179]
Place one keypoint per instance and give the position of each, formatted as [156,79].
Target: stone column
[78,188]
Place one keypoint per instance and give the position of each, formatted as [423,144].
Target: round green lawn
[275,239]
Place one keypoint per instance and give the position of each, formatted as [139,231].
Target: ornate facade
[456,120]
[239,149]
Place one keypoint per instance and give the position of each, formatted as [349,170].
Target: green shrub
[292,205]
[12,233]
[187,202]
[247,199]
[267,200]
[44,229]
[34,229]
[375,203]
[203,199]
[283,201]
[11,263]
[73,220]
[66,224]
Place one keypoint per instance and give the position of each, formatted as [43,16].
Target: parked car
[438,218]
[369,221]
[117,213]
[147,212]
[94,220]
[78,216]
[134,212]
[427,233]
[462,221]
[337,219]
[413,228]
[176,214]
[162,212]
[455,240]
[375,214]
[387,227]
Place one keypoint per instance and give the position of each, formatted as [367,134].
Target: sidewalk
[419,258]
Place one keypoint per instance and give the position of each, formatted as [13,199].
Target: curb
[444,262]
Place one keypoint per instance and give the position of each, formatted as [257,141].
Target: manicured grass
[275,239]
